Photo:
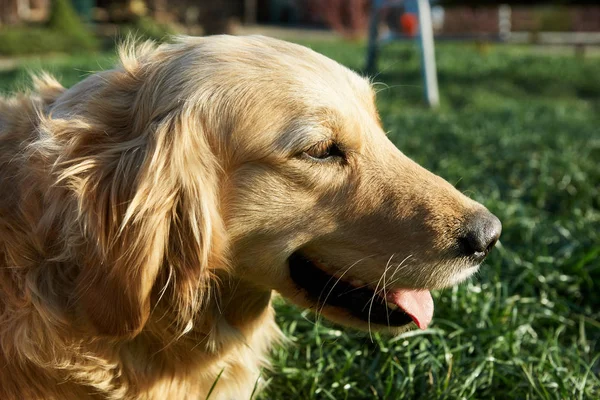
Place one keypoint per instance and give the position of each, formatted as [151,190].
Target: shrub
[64,32]
[64,20]
[22,40]
[144,27]
[553,19]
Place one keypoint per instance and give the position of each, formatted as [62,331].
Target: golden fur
[148,212]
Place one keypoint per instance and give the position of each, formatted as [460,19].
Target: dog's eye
[324,150]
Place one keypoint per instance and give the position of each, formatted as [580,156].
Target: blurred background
[517,128]
[36,26]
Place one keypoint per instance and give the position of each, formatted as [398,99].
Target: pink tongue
[416,303]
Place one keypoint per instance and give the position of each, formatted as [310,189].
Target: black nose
[481,232]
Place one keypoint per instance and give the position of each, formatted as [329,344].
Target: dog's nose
[481,232]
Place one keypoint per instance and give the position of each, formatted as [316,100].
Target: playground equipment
[425,38]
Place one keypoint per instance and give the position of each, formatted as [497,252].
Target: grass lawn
[519,132]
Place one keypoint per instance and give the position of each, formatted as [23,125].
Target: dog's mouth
[393,308]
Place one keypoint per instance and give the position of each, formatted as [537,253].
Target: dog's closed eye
[326,150]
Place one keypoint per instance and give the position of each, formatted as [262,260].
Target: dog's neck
[234,311]
[234,332]
[239,305]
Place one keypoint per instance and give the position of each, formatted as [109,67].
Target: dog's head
[322,207]
[261,158]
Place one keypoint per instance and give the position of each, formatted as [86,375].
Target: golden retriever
[148,213]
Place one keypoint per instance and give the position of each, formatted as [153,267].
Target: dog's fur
[147,213]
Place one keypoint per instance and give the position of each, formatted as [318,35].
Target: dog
[148,214]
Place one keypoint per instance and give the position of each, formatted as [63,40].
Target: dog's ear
[141,184]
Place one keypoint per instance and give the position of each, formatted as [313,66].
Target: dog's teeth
[392,306]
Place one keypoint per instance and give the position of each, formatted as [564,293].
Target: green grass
[521,133]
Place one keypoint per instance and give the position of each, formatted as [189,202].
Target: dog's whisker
[388,266]
[371,306]
[371,283]
[320,311]
[400,277]
[398,267]
[381,71]
[340,277]
[396,86]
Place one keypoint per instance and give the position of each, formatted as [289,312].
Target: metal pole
[371,64]
[250,12]
[428,54]
[504,21]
